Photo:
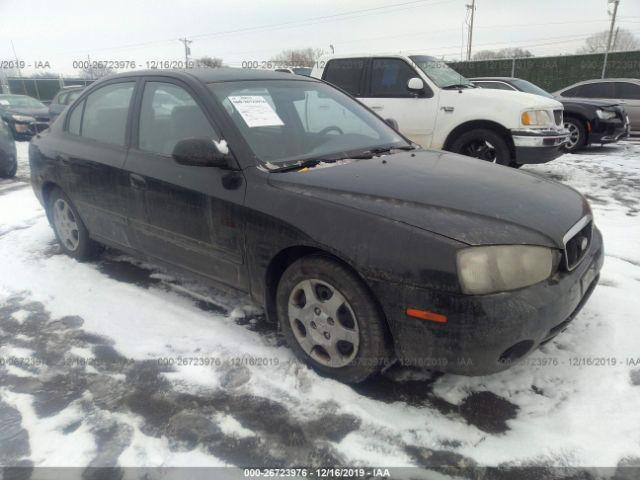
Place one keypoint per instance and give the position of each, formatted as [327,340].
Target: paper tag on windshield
[256,111]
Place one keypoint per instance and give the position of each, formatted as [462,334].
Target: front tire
[330,320]
[69,228]
[483,144]
[577,135]
[9,171]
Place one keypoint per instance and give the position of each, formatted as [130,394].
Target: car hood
[40,112]
[510,97]
[464,199]
[587,101]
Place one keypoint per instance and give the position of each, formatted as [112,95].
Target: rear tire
[69,228]
[483,144]
[330,320]
[577,135]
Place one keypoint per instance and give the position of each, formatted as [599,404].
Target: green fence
[553,73]
[43,89]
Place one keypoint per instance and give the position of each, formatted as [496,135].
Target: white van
[436,107]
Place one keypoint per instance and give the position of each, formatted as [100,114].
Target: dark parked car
[588,121]
[25,115]
[8,157]
[361,246]
[64,97]
[622,90]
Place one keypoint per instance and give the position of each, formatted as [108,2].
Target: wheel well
[577,116]
[476,124]
[47,188]
[286,257]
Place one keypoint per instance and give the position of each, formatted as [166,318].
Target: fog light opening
[516,352]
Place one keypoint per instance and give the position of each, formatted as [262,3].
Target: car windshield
[440,73]
[286,121]
[528,87]
[20,101]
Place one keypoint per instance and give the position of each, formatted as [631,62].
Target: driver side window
[170,114]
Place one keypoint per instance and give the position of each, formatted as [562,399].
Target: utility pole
[471,7]
[24,86]
[187,50]
[613,22]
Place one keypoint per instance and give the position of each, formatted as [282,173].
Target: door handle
[377,107]
[137,181]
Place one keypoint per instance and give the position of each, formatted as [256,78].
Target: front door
[389,97]
[192,215]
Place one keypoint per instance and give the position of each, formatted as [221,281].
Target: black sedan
[363,248]
[588,121]
[25,115]
[8,157]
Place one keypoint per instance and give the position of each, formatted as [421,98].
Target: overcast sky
[67,30]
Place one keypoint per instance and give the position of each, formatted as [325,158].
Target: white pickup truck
[436,107]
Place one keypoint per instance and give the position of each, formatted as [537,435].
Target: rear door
[190,216]
[91,156]
[387,94]
[629,93]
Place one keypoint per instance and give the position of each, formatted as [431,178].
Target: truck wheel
[577,134]
[330,320]
[10,170]
[69,228]
[483,144]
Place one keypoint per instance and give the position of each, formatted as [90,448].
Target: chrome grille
[577,242]
[557,116]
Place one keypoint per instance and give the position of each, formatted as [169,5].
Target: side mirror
[415,85]
[392,123]
[198,152]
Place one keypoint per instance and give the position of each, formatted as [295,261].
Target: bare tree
[209,62]
[501,54]
[302,57]
[622,40]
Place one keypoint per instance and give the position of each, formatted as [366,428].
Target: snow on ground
[126,364]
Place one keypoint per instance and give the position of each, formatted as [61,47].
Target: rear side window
[345,73]
[591,90]
[105,113]
[390,76]
[170,114]
[75,118]
[626,90]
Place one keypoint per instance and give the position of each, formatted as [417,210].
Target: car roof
[599,80]
[211,75]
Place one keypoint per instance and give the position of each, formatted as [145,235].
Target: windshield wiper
[370,153]
[310,162]
[458,85]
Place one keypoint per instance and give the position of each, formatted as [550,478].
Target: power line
[291,24]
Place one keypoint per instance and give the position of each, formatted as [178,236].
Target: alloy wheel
[323,323]
[480,149]
[574,135]
[66,225]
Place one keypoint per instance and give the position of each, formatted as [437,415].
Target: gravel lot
[120,363]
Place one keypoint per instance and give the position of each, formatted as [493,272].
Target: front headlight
[537,118]
[605,115]
[500,268]
[23,118]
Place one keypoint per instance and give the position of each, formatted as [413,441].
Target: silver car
[625,90]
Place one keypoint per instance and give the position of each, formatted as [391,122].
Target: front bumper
[538,146]
[485,334]
[27,130]
[609,131]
